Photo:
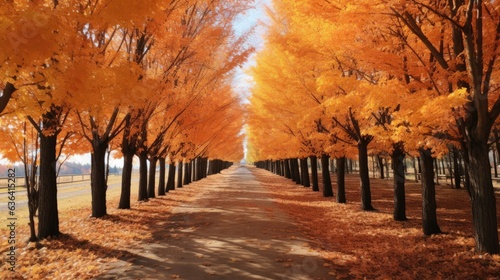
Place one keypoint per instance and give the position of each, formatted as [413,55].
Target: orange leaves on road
[372,245]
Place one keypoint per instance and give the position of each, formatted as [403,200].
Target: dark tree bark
[279,168]
[429,216]
[30,177]
[484,215]
[466,174]
[6,95]
[152,177]
[314,175]
[161,179]
[366,197]
[129,150]
[304,171]
[48,216]
[398,169]
[292,170]
[204,168]
[179,174]
[187,173]
[98,178]
[143,177]
[380,162]
[171,177]
[340,163]
[325,172]
[196,169]
[295,170]
[126,181]
[288,172]
[211,167]
[457,173]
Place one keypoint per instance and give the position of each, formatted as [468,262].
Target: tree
[21,143]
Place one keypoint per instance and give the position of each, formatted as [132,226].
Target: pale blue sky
[254,18]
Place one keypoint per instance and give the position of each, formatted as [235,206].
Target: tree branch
[6,95]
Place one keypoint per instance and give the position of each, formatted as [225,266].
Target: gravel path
[232,230]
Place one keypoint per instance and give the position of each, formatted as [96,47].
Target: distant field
[70,196]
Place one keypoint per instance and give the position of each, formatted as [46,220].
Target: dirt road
[233,230]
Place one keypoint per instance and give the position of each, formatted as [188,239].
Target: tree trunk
[143,177]
[457,173]
[126,180]
[429,217]
[366,197]
[161,179]
[449,165]
[6,95]
[98,179]
[196,169]
[314,171]
[128,149]
[466,174]
[211,167]
[484,215]
[204,168]
[292,170]
[295,170]
[341,162]
[171,177]
[187,173]
[179,174]
[152,177]
[398,156]
[288,172]
[304,171]
[436,172]
[380,161]
[325,172]
[48,216]
[30,177]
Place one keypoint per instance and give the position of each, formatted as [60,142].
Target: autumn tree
[20,143]
[475,28]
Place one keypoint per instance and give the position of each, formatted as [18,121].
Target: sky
[254,18]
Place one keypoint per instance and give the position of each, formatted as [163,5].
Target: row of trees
[150,79]
[336,79]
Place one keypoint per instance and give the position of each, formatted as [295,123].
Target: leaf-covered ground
[371,244]
[355,244]
[87,244]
